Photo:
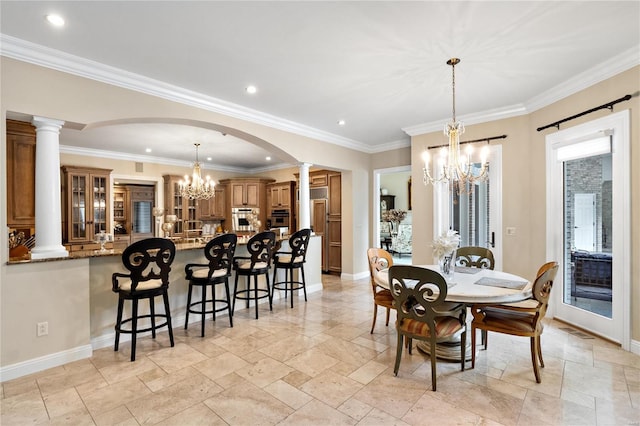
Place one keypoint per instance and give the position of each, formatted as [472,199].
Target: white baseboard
[355,277]
[34,365]
[635,347]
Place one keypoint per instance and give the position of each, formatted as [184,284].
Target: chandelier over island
[455,168]
[197,188]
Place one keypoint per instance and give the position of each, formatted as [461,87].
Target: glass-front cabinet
[176,204]
[87,205]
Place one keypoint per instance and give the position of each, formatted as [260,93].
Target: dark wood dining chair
[419,298]
[475,257]
[260,247]
[149,263]
[219,252]
[518,319]
[379,260]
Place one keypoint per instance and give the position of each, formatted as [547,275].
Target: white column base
[49,252]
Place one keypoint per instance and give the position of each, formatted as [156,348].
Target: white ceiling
[380,66]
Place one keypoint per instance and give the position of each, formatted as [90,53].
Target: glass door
[100,204]
[588,211]
[474,211]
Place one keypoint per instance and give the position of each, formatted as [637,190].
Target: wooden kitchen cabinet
[280,195]
[334,231]
[326,215]
[121,210]
[248,193]
[21,175]
[245,194]
[318,178]
[87,203]
[176,204]
[213,208]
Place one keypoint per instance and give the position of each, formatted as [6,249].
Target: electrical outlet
[511,230]
[43,329]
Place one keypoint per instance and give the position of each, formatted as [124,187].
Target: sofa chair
[401,242]
[591,275]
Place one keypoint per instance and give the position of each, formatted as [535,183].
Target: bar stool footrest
[143,330]
[226,306]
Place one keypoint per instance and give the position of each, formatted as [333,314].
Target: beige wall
[35,90]
[55,292]
[524,184]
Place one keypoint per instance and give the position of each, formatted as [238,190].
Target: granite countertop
[84,254]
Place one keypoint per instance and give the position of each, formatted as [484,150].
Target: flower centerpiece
[444,248]
[252,218]
[394,216]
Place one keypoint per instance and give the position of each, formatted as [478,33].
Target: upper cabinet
[280,195]
[245,194]
[87,203]
[21,174]
[213,208]
[318,178]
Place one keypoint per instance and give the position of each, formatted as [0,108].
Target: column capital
[44,122]
[305,165]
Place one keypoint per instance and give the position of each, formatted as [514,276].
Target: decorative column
[48,206]
[304,199]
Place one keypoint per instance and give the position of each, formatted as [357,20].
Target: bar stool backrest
[299,242]
[261,247]
[219,252]
[149,259]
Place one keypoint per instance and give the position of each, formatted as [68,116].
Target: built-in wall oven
[240,219]
[279,218]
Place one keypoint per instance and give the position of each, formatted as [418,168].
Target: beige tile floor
[318,364]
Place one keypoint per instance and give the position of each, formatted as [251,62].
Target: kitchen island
[73,295]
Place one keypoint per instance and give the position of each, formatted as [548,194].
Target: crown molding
[113,155]
[25,51]
[389,146]
[473,118]
[611,67]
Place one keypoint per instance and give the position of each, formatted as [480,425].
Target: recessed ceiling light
[341,122]
[148,150]
[55,20]
[209,158]
[268,158]
[251,89]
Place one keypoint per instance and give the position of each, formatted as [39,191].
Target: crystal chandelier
[455,168]
[197,188]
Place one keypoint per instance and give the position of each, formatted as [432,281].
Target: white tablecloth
[463,287]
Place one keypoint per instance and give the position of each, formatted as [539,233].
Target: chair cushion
[247,265]
[204,273]
[125,285]
[286,258]
[519,322]
[381,278]
[445,326]
[383,298]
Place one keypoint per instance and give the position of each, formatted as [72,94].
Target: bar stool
[219,252]
[149,262]
[260,248]
[290,260]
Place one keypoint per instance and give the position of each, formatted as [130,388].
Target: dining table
[469,286]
